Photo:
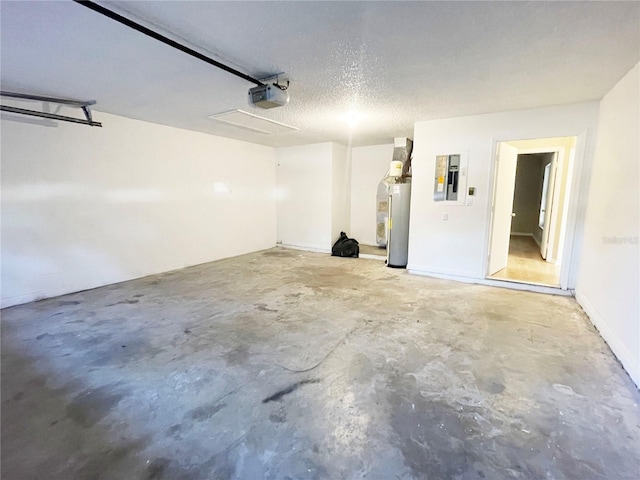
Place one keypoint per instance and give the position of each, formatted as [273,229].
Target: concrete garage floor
[292,365]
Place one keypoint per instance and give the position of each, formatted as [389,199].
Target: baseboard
[521,234]
[618,348]
[426,270]
[305,248]
[13,301]
[7,302]
[373,257]
[529,287]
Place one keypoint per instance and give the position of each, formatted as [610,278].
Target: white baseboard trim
[22,299]
[426,270]
[373,257]
[305,248]
[326,250]
[521,234]
[618,348]
[529,287]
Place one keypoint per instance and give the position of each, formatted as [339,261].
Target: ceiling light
[219,187]
[353,118]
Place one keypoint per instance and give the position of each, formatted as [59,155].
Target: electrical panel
[447,178]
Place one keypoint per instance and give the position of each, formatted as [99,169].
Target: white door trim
[579,189]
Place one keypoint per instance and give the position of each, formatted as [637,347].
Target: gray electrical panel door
[447,178]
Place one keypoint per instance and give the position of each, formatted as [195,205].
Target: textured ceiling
[394,63]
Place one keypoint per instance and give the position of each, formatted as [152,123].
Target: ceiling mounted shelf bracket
[84,106]
[166,40]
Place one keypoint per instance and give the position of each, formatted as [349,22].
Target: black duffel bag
[345,247]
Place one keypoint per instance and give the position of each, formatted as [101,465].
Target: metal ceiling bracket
[84,106]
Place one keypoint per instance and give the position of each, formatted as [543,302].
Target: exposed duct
[402,153]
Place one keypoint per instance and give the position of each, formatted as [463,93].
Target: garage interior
[170,307]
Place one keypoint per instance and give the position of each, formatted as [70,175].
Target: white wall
[608,286]
[368,166]
[305,195]
[84,207]
[458,246]
[314,195]
[341,191]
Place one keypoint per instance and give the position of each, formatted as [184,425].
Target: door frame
[578,189]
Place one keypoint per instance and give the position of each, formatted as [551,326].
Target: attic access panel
[249,121]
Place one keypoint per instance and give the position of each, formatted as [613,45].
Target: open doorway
[529,210]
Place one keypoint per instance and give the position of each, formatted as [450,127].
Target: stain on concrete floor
[369,373]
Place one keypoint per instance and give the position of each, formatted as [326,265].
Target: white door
[502,207]
[546,205]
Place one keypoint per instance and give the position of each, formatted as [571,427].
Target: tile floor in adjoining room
[285,364]
[525,264]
